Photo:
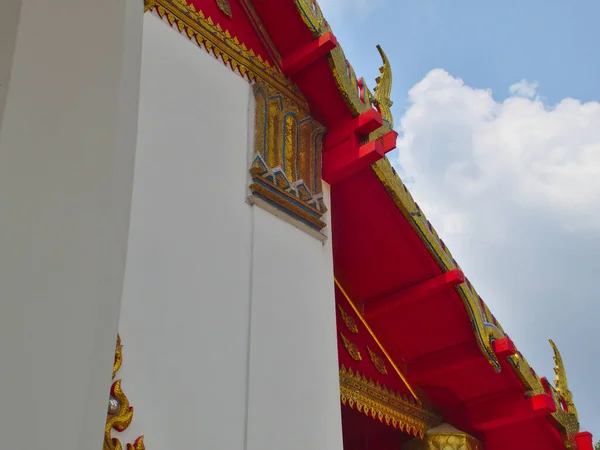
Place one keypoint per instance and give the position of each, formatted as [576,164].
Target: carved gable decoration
[286,165]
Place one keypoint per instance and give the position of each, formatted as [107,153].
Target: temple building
[204,245]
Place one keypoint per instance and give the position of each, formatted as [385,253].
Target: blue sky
[498,109]
[488,44]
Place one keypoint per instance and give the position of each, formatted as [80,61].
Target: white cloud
[513,188]
[524,88]
[519,151]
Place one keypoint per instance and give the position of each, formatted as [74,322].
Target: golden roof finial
[383,90]
[560,382]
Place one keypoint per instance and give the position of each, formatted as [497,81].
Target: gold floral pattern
[377,362]
[352,348]
[348,320]
[224,7]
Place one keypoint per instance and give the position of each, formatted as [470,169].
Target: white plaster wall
[67,146]
[9,20]
[185,314]
[228,320]
[294,401]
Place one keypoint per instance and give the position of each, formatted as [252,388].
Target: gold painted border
[214,39]
[377,401]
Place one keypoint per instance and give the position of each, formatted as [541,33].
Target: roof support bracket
[393,300]
[308,54]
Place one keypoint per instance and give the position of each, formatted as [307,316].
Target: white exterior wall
[294,382]
[228,320]
[67,147]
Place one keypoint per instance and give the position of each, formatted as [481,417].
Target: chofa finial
[560,382]
[383,90]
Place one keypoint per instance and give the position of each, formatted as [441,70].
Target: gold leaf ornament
[224,7]
[120,412]
[352,348]
[348,320]
[377,362]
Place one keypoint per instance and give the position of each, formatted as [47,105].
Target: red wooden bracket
[584,441]
[443,362]
[345,161]
[380,305]
[509,409]
[504,347]
[308,54]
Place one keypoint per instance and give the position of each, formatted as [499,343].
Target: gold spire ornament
[120,413]
[560,382]
[383,90]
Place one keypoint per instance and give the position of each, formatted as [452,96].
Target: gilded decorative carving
[446,437]
[224,7]
[377,362]
[351,348]
[286,168]
[389,407]
[211,37]
[120,413]
[348,320]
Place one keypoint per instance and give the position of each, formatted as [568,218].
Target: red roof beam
[308,54]
[427,288]
[508,409]
[444,362]
[504,348]
[344,162]
[343,154]
[356,128]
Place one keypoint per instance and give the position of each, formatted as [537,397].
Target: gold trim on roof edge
[389,407]
[220,43]
[480,317]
